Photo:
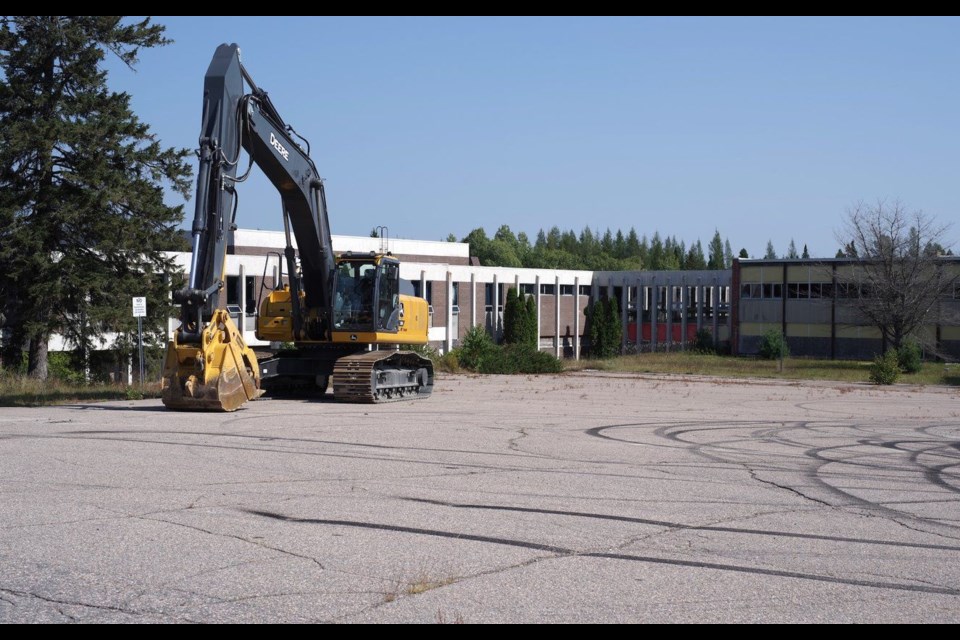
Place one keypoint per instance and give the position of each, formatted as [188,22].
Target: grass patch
[20,391]
[415,586]
[736,367]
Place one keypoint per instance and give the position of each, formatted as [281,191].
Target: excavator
[345,315]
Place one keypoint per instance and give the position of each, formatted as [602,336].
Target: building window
[566,289]
[233,289]
[488,294]
[455,290]
[528,289]
[585,290]
[251,298]
[429,292]
[745,291]
[547,290]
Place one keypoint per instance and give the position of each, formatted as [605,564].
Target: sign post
[139,311]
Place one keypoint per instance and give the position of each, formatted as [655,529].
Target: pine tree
[657,253]
[532,326]
[727,254]
[541,242]
[792,251]
[771,253]
[695,257]
[633,246]
[612,328]
[514,317]
[806,254]
[84,224]
[743,254]
[715,260]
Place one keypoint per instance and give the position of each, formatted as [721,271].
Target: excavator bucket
[219,374]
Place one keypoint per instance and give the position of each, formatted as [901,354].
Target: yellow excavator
[345,315]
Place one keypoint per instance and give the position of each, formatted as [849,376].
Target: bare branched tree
[900,279]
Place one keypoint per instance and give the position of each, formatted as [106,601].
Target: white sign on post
[139,307]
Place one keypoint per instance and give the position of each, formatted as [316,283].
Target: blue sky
[763,128]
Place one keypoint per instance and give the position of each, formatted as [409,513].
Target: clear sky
[763,128]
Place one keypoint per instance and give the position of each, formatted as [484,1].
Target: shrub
[909,357]
[61,366]
[773,345]
[424,350]
[885,369]
[703,342]
[448,362]
[519,358]
[476,345]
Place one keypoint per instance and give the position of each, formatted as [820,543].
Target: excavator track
[382,376]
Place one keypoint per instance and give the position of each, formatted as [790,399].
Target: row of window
[808,291]
[526,289]
[795,291]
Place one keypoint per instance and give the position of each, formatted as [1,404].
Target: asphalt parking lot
[576,498]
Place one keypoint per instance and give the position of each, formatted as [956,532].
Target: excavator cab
[366,294]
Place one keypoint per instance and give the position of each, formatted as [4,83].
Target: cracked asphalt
[583,497]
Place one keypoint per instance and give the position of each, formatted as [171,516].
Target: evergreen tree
[657,253]
[840,254]
[588,244]
[715,260]
[514,317]
[695,257]
[727,254]
[744,255]
[771,253]
[792,251]
[84,224]
[612,329]
[603,328]
[633,247]
[806,254]
[645,253]
[533,327]
[619,245]
[553,238]
[541,242]
[606,244]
